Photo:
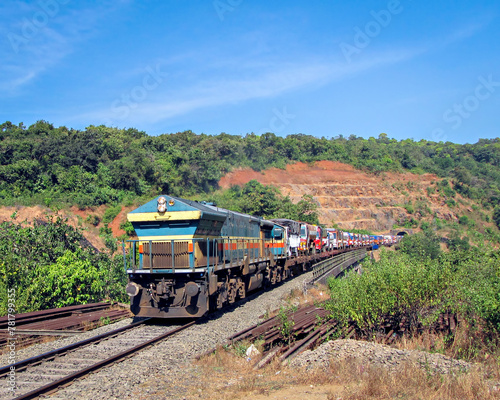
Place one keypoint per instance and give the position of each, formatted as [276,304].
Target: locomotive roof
[225,211]
[181,205]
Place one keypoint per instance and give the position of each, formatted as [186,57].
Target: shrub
[412,288]
[421,245]
[111,213]
[93,219]
[52,266]
[72,279]
[128,228]
[496,216]
[463,220]
[458,243]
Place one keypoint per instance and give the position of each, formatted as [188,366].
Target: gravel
[37,349]
[376,355]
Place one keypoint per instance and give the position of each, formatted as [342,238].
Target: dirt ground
[320,172]
[347,197]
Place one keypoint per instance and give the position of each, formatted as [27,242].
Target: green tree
[72,279]
[307,210]
[424,245]
[260,200]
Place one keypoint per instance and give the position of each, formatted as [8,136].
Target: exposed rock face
[348,197]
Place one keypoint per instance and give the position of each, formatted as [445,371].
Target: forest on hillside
[41,164]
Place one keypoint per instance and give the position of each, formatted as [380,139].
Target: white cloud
[38,38]
[268,80]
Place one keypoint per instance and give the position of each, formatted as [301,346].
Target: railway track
[37,326]
[311,325]
[47,372]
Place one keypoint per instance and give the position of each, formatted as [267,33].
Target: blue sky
[422,70]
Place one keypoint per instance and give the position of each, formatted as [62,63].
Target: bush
[417,289]
[457,243]
[421,245]
[93,219]
[71,280]
[111,213]
[409,208]
[128,228]
[451,203]
[50,265]
[463,220]
[496,216]
[424,225]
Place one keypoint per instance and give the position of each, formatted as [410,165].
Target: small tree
[421,245]
[496,216]
[308,209]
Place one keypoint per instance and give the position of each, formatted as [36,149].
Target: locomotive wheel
[279,276]
[273,274]
[241,288]
[232,291]
[221,294]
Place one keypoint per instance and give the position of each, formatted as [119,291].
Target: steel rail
[54,314]
[23,364]
[50,387]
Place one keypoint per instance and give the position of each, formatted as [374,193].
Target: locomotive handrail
[218,251]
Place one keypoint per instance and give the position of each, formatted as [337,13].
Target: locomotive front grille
[158,255]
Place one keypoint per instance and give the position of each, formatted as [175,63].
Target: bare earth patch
[351,198]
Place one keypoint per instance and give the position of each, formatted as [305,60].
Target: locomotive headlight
[132,289]
[162,204]
[192,289]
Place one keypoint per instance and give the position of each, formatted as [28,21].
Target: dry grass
[316,294]
[299,298]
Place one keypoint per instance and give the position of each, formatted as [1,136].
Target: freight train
[194,257]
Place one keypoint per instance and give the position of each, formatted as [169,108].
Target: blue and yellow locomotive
[191,257]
